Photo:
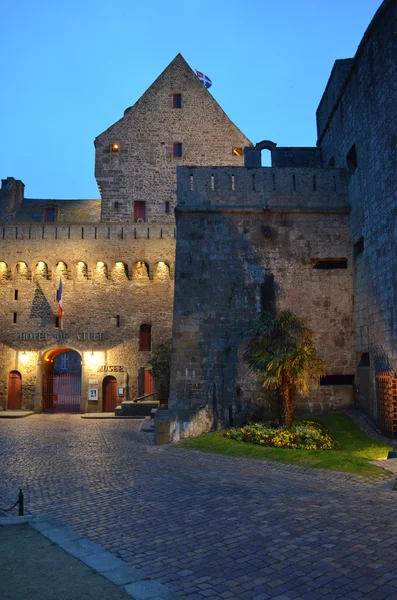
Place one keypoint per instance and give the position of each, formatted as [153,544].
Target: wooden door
[14,390]
[148,382]
[109,389]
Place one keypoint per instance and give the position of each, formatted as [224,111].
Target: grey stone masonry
[241,250]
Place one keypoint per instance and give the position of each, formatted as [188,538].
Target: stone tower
[176,122]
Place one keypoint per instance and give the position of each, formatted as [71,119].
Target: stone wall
[134,283]
[364,115]
[237,251]
[144,168]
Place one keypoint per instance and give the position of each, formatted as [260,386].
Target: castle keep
[184,199]
[116,255]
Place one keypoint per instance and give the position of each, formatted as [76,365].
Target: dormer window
[49,215]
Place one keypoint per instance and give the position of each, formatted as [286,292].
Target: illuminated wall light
[115,147]
[100,264]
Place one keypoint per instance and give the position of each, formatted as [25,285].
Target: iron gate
[61,393]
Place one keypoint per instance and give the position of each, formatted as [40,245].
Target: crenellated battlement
[87,231]
[265,187]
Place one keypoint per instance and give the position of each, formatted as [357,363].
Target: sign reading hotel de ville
[61,336]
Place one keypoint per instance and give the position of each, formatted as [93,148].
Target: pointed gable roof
[178,70]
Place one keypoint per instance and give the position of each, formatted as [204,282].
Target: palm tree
[281,349]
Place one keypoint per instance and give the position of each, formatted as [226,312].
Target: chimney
[11,196]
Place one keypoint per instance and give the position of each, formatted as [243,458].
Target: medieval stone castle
[192,238]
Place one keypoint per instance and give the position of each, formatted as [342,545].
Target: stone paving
[207,527]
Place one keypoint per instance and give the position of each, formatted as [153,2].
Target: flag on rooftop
[204,79]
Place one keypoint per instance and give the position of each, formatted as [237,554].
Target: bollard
[20,503]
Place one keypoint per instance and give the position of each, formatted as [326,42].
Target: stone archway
[61,380]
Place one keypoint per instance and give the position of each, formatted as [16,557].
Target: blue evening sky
[69,69]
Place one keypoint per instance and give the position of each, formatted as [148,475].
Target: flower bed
[303,435]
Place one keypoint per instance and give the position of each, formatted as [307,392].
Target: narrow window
[115,147]
[176,100]
[116,206]
[167,208]
[358,247]
[314,183]
[351,160]
[191,183]
[145,338]
[139,211]
[49,215]
[233,183]
[337,380]
[237,151]
[330,263]
[57,321]
[177,149]
[15,294]
[212,183]
[253,183]
[364,360]
[14,317]
[118,321]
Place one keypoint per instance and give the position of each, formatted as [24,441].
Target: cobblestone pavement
[208,527]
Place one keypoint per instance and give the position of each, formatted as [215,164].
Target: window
[351,160]
[115,147]
[14,317]
[167,208]
[49,215]
[337,380]
[177,149]
[176,100]
[237,151]
[139,211]
[116,205]
[15,294]
[330,263]
[364,360]
[64,361]
[145,338]
[57,321]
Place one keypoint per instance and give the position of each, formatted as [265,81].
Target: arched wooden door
[109,393]
[14,390]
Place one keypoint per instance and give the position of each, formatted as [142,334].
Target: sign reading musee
[83,336]
[110,368]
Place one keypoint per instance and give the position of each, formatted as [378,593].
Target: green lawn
[356,449]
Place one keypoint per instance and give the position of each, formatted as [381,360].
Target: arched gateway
[61,386]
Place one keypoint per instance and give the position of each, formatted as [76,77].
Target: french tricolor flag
[59,299]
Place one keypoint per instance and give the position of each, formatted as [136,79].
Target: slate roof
[69,211]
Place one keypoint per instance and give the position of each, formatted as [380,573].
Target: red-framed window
[145,338]
[139,210]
